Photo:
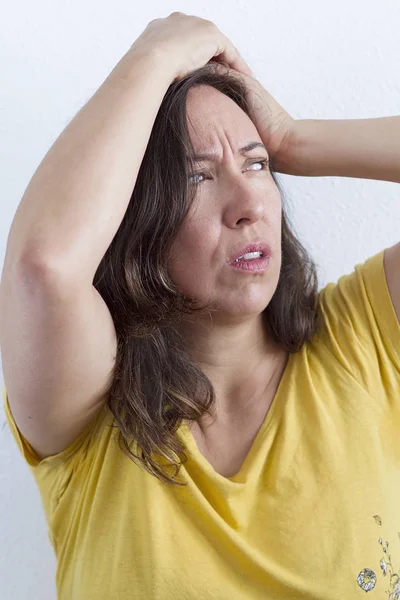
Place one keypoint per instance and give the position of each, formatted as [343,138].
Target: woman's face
[237,201]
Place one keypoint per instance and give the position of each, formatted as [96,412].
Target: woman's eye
[264,163]
[264,166]
[195,175]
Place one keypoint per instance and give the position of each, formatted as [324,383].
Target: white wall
[332,60]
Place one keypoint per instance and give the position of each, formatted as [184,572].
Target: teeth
[249,256]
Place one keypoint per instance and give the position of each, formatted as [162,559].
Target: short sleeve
[53,473]
[361,328]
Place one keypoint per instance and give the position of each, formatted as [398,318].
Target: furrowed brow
[210,157]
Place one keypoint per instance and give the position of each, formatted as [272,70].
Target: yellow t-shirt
[313,513]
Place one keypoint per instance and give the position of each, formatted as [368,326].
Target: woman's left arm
[362,148]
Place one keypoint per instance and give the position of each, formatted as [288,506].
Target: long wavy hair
[155,384]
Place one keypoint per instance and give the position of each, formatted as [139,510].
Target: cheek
[192,255]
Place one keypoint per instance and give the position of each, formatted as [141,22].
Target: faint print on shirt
[367,578]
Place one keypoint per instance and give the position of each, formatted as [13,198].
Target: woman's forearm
[78,196]
[362,148]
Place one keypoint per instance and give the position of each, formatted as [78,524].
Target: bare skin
[237,202]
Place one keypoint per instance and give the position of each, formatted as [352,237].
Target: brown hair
[154,383]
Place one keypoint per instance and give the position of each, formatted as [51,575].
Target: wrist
[296,149]
[153,61]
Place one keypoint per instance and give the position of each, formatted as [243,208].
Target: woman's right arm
[57,336]
[78,196]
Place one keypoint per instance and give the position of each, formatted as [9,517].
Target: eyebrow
[212,156]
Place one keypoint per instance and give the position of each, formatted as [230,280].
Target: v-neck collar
[249,464]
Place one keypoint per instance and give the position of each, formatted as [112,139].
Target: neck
[240,360]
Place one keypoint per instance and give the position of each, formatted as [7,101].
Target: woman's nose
[248,205]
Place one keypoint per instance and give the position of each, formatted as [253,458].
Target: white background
[321,60]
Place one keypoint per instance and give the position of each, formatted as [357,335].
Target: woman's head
[167,261]
[236,201]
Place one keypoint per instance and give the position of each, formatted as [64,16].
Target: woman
[200,421]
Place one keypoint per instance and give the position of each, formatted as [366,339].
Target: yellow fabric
[311,514]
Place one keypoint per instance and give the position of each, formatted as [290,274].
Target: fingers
[232,57]
[241,65]
[237,61]
[222,66]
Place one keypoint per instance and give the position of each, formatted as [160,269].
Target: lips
[262,247]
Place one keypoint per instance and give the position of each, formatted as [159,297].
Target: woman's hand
[188,43]
[274,125]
